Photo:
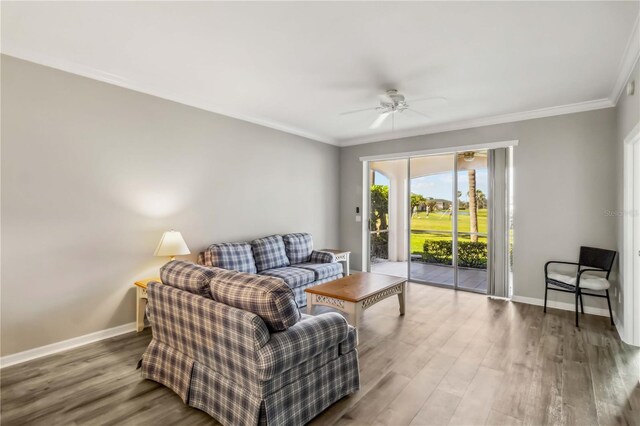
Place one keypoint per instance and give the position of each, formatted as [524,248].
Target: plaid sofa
[290,257]
[232,363]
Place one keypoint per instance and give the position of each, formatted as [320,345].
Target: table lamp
[172,244]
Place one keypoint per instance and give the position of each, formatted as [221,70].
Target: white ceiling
[297,66]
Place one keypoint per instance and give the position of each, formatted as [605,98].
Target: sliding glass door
[387,217]
[448,220]
[443,219]
[472,214]
[432,225]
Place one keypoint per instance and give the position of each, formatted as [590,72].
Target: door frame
[366,188]
[631,330]
[366,207]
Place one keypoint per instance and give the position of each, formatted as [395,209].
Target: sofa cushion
[232,256]
[322,270]
[269,252]
[268,297]
[298,247]
[188,276]
[294,277]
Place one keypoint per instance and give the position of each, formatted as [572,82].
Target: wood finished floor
[455,358]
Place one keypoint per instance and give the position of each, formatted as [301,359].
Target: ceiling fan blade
[358,110]
[433,99]
[419,113]
[381,118]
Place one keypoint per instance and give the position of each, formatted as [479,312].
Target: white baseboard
[560,305]
[619,327]
[53,348]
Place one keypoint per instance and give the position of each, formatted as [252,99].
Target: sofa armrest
[300,342]
[322,257]
[351,342]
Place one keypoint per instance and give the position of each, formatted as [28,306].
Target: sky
[441,185]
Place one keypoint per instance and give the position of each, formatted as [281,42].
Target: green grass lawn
[437,221]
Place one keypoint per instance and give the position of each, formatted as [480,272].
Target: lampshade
[172,244]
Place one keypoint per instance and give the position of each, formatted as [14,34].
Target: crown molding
[485,121]
[189,100]
[632,52]
[627,63]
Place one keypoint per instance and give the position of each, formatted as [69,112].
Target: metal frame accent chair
[592,261]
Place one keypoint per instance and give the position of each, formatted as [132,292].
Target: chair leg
[546,287]
[581,304]
[577,299]
[609,303]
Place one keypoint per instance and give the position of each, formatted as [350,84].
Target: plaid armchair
[231,362]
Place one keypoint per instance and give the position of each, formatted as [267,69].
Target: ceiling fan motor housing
[395,96]
[397,102]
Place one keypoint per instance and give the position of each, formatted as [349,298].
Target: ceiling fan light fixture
[468,156]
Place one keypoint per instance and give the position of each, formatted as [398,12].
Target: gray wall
[628,116]
[564,177]
[92,174]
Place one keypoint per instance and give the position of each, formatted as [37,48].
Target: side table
[141,301]
[341,256]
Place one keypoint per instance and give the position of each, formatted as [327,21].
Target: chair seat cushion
[567,279]
[594,283]
[268,297]
[294,277]
[590,282]
[322,270]
[232,256]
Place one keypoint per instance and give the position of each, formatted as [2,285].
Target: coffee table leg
[401,297]
[353,311]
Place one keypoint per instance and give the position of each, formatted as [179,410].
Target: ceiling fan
[391,103]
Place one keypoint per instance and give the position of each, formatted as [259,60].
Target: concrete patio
[468,278]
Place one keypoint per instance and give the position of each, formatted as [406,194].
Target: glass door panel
[472,202]
[388,217]
[431,219]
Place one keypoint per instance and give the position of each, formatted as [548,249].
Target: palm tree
[481,199]
[473,206]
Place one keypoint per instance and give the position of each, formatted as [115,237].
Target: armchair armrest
[322,257]
[299,343]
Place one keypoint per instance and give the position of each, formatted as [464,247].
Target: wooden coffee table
[355,293]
